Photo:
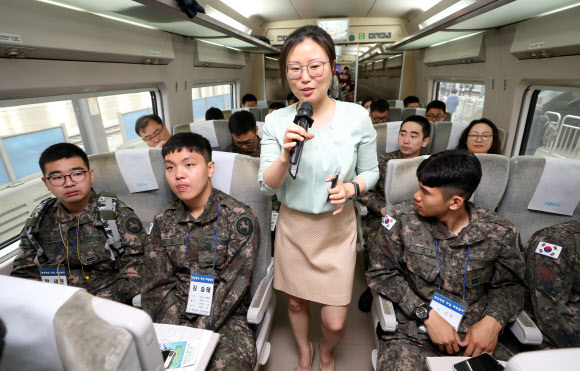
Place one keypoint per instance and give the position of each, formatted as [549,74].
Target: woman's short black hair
[59,151]
[366,100]
[314,33]
[189,141]
[495,148]
[454,172]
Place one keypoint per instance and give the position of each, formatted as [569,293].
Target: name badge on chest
[53,275]
[450,307]
[200,294]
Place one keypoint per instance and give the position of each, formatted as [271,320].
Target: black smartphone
[482,362]
[334,181]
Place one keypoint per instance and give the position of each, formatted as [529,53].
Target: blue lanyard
[441,270]
[60,240]
[216,241]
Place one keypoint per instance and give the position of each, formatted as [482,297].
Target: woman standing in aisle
[315,248]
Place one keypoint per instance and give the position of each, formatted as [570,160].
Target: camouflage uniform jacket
[555,284]
[166,279]
[374,198]
[235,149]
[404,265]
[120,283]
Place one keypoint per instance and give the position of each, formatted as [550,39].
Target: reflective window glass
[553,125]
[205,97]
[464,100]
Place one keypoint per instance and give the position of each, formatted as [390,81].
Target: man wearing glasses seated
[379,111]
[152,130]
[81,238]
[244,132]
[435,111]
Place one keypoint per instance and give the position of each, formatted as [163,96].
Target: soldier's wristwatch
[421,313]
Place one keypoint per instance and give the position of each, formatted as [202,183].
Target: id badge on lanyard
[450,307]
[201,287]
[56,276]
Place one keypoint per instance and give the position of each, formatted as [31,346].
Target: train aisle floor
[353,352]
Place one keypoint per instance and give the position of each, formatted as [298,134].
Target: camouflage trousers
[404,353]
[369,233]
[236,349]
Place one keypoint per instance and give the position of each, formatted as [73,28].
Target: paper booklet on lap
[192,347]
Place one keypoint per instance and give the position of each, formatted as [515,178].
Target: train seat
[216,131]
[554,182]
[235,175]
[52,327]
[447,134]
[412,111]
[395,114]
[396,104]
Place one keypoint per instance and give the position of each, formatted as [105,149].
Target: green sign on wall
[351,38]
[361,36]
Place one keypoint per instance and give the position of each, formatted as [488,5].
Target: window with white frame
[464,99]
[204,97]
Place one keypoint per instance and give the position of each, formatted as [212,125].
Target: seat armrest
[385,312]
[261,299]
[137,301]
[526,330]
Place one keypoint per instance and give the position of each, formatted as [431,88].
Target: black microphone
[304,120]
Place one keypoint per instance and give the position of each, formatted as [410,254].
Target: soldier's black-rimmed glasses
[76,176]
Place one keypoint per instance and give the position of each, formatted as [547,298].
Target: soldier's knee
[296,305]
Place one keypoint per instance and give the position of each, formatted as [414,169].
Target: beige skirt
[315,255]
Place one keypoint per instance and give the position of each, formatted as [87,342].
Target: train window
[119,113]
[204,97]
[464,99]
[97,123]
[553,123]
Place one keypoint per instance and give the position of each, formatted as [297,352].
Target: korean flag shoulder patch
[549,249]
[388,222]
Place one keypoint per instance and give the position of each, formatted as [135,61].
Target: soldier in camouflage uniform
[553,273]
[414,134]
[172,256]
[242,125]
[424,243]
[83,255]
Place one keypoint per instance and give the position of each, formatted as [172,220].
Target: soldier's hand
[442,333]
[481,337]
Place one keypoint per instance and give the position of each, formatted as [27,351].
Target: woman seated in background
[481,136]
[366,103]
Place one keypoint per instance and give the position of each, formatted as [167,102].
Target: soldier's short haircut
[59,151]
[436,104]
[249,98]
[410,99]
[242,122]
[421,120]
[214,113]
[380,105]
[189,141]
[143,121]
[454,172]
[277,105]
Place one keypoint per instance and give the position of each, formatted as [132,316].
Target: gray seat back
[216,131]
[446,135]
[147,204]
[395,114]
[401,180]
[396,104]
[524,177]
[412,111]
[381,140]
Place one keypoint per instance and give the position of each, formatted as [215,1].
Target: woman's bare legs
[299,314]
[333,329]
